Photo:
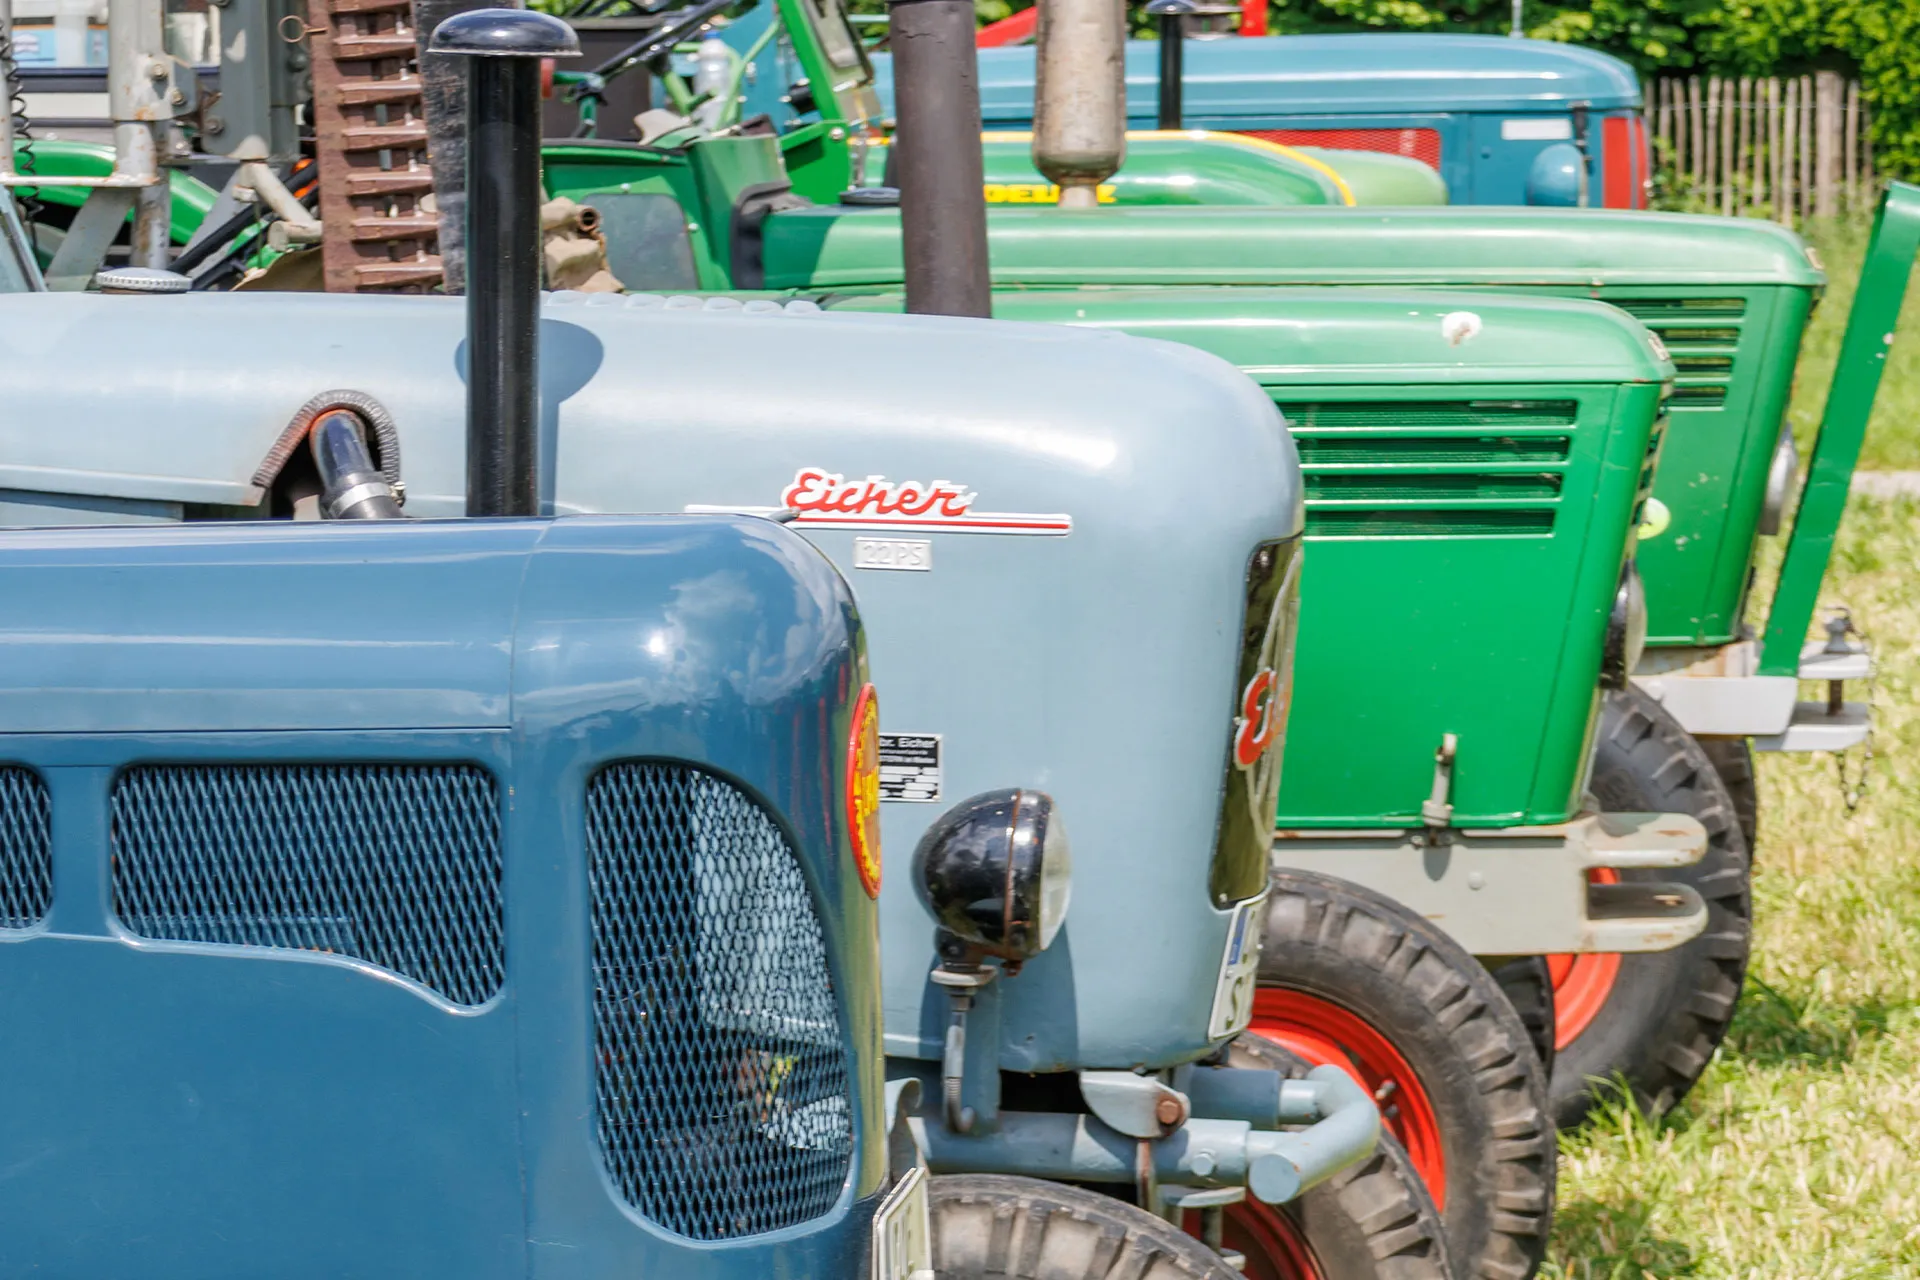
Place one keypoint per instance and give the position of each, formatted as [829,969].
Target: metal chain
[1853,792]
[28,198]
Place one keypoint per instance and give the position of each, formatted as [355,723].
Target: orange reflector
[863,789]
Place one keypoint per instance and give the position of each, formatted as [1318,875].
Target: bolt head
[1167,1111]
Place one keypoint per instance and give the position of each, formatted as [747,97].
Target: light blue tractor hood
[1089,503]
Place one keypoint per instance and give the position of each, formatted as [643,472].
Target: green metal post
[1843,426]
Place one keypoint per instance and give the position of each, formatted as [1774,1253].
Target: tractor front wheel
[1655,1018]
[997,1227]
[1352,978]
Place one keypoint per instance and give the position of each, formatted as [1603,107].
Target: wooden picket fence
[1785,148]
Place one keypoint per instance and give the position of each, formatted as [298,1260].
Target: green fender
[1377,178]
[1175,167]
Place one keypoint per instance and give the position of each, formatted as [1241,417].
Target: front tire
[1350,977]
[1655,1018]
[995,1227]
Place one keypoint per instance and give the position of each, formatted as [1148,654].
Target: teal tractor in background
[1502,121]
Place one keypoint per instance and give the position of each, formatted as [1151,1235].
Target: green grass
[1796,1156]
[1893,439]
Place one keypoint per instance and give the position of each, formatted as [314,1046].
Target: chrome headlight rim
[996,872]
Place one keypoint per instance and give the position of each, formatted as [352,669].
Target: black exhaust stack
[937,157]
[1172,15]
[505,47]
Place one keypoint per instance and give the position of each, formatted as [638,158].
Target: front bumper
[1226,1143]
[1508,891]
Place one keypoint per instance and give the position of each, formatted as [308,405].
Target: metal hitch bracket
[1525,890]
[1719,693]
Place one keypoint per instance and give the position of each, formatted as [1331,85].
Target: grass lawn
[1796,1157]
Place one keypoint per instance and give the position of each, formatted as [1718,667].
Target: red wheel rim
[1323,1032]
[1582,983]
[1272,1242]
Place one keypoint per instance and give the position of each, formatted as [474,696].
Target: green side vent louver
[1432,469]
[1701,334]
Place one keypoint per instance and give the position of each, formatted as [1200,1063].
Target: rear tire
[1663,1013]
[1733,761]
[1371,1221]
[1527,982]
[994,1227]
[1351,977]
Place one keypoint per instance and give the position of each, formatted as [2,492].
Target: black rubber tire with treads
[1733,761]
[1444,1013]
[1667,1010]
[1528,984]
[1374,1219]
[994,1227]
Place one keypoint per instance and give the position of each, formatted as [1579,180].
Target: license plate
[1239,971]
[902,1237]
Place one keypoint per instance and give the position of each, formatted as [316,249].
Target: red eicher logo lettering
[1260,706]
[824,491]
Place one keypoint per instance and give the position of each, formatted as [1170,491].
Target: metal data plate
[902,1235]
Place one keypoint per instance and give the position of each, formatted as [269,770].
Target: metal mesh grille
[398,865]
[26,848]
[723,1080]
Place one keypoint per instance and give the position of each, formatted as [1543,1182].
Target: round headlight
[1626,630]
[997,873]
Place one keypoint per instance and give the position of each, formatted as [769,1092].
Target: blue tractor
[476,898]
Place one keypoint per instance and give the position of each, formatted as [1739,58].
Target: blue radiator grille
[722,1072]
[398,865]
[26,848]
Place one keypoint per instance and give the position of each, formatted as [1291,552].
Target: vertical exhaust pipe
[504,48]
[1080,96]
[937,157]
[1173,16]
